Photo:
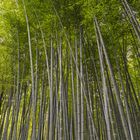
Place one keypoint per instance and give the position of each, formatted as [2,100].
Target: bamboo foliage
[71,81]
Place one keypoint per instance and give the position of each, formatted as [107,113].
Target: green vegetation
[69,70]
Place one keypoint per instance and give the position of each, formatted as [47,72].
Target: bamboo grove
[69,70]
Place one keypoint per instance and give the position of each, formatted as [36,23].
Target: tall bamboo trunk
[32,75]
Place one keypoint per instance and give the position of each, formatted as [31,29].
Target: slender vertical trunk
[56,92]
[18,90]
[78,100]
[61,90]
[73,102]
[40,122]
[51,96]
[81,89]
[32,75]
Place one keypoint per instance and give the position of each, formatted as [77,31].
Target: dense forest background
[69,69]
